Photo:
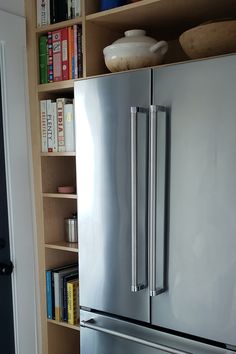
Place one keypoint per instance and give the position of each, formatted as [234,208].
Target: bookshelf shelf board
[60,195]
[63,246]
[63,86]
[56,26]
[159,14]
[64,324]
[57,154]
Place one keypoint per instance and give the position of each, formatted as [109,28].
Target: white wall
[14,6]
[18,177]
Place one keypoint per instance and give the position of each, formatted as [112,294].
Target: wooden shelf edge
[64,324]
[57,86]
[63,246]
[60,195]
[58,25]
[57,154]
[119,9]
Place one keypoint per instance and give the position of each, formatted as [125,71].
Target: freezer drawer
[104,335]
[201,268]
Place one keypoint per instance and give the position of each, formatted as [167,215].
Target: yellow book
[73,301]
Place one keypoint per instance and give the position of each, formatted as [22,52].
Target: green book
[43,60]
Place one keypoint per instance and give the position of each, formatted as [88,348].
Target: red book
[65,60]
[57,55]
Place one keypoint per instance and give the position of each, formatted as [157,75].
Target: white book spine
[69,124]
[42,16]
[60,125]
[54,130]
[56,296]
[48,12]
[43,115]
[77,8]
[69,9]
[49,126]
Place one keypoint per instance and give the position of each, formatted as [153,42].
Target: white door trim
[21,212]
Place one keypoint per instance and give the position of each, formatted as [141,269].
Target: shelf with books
[64,324]
[63,246]
[60,54]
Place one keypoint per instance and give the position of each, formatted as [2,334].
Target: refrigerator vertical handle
[135,285]
[157,199]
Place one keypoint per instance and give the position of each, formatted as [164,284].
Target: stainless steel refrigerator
[156,180]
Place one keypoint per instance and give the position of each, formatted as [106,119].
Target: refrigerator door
[112,167]
[200,222]
[105,335]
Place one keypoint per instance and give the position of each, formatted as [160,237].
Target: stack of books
[57,125]
[60,55]
[62,290]
[53,11]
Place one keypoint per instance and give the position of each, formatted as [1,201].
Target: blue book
[49,294]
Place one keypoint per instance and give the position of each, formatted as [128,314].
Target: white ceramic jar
[135,50]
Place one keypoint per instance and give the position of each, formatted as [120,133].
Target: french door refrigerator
[156,180]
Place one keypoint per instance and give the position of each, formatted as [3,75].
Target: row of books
[62,294]
[53,11]
[60,55]
[57,125]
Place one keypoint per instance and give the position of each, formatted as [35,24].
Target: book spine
[72,291]
[41,13]
[72,54]
[57,62]
[80,54]
[60,125]
[73,8]
[50,58]
[48,12]
[54,129]
[70,45]
[75,52]
[69,9]
[49,293]
[69,127]
[77,8]
[56,297]
[65,60]
[43,60]
[65,305]
[52,11]
[43,116]
[49,126]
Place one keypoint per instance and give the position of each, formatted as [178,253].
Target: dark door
[6,307]
[200,298]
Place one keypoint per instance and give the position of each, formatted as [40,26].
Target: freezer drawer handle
[157,197]
[91,324]
[135,286]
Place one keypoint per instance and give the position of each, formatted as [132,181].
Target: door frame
[19,182]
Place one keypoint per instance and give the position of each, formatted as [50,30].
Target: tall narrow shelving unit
[162,19]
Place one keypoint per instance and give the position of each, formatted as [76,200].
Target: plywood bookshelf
[162,19]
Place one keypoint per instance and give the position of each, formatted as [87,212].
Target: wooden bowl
[209,39]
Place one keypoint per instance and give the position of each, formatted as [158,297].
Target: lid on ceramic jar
[135,36]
